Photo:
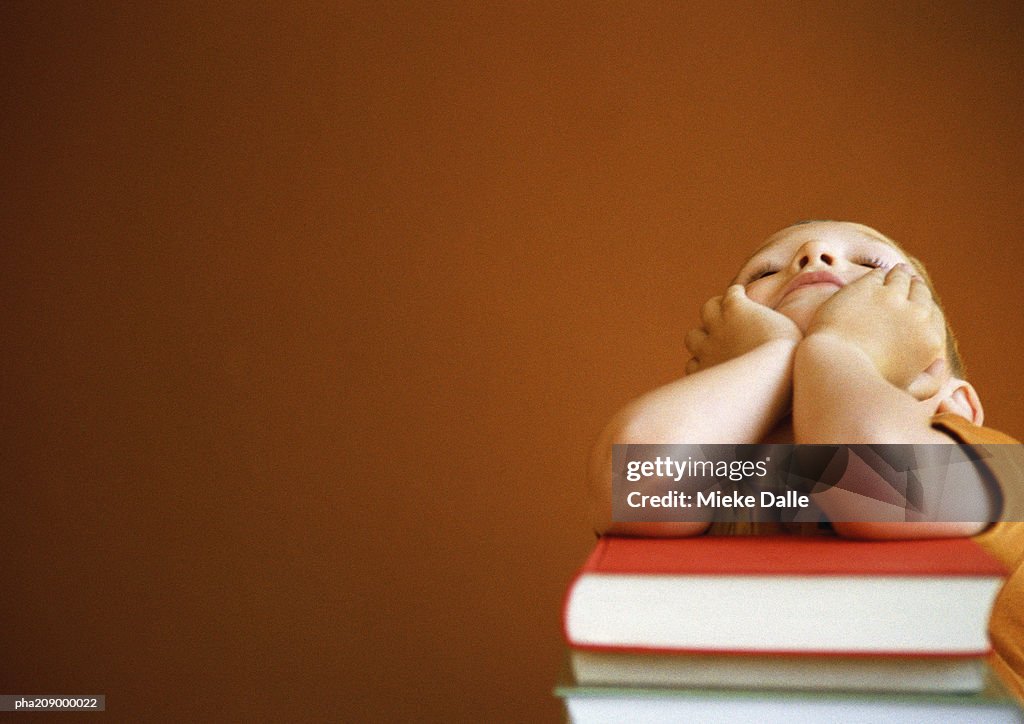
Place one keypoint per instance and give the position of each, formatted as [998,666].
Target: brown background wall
[310,316]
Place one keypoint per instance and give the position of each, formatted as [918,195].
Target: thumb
[736,294]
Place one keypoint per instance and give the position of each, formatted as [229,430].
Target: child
[830,333]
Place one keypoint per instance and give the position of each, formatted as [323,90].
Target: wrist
[827,344]
[779,345]
[826,347]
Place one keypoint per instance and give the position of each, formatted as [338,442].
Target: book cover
[786,595]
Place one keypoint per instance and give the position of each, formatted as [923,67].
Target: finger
[898,280]
[875,276]
[735,294]
[693,365]
[695,339]
[937,368]
[928,383]
[919,291]
[711,311]
[924,386]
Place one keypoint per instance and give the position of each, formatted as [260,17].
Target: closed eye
[870,261]
[763,272]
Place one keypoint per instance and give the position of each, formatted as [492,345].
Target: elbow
[620,431]
[624,431]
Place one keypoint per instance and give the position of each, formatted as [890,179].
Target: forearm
[738,401]
[840,398]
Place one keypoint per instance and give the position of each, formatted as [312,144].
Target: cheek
[858,272]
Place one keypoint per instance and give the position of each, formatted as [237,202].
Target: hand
[733,325]
[893,319]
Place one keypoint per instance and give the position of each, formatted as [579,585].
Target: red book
[784,595]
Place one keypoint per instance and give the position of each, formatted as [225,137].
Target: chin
[803,309]
[801,316]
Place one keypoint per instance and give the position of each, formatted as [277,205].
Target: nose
[814,253]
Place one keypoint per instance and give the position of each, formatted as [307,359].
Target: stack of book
[782,628]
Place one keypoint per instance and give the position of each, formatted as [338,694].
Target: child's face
[801,266]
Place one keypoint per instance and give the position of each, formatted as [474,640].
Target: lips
[817,277]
